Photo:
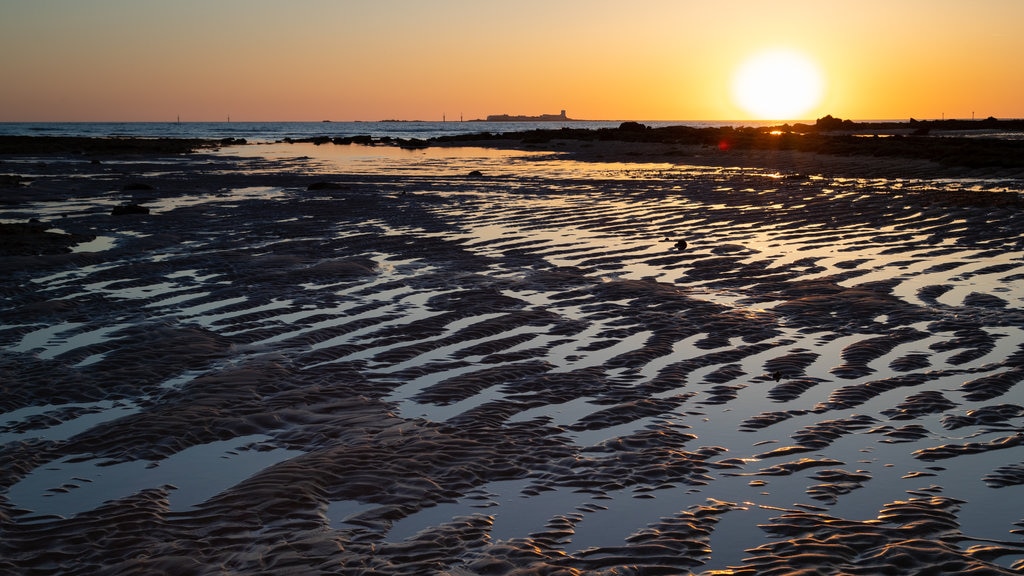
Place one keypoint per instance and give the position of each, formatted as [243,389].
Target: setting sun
[778,85]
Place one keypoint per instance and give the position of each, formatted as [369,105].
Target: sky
[342,60]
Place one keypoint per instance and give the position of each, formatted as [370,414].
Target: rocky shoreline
[945,143]
[21,145]
[831,137]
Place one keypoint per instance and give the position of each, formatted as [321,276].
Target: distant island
[542,118]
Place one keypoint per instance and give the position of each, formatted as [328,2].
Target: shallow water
[67,488]
[539,339]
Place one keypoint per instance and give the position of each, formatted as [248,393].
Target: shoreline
[826,147]
[109,145]
[596,146]
[831,147]
[949,148]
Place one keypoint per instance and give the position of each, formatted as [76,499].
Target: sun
[778,85]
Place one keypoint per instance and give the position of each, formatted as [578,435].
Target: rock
[125,209]
[984,300]
[362,139]
[632,127]
[476,174]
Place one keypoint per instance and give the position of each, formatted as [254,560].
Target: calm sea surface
[274,131]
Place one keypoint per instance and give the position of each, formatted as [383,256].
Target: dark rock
[984,300]
[476,174]
[830,123]
[22,145]
[632,127]
[361,139]
[126,209]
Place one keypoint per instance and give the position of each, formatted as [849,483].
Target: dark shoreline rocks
[916,140]
[889,139]
[16,145]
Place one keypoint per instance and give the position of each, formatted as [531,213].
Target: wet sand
[332,360]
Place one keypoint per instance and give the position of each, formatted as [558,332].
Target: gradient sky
[266,60]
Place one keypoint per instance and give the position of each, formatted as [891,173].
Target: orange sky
[264,60]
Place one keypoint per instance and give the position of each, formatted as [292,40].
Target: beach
[557,357]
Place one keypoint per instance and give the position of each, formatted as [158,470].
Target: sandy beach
[540,358]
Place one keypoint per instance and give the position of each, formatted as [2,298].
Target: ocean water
[274,131]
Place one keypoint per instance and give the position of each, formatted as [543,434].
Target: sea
[268,132]
[262,132]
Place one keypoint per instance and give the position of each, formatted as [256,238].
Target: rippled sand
[335,360]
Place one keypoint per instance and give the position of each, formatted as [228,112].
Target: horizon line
[484,121]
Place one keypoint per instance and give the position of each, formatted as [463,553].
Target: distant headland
[518,118]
